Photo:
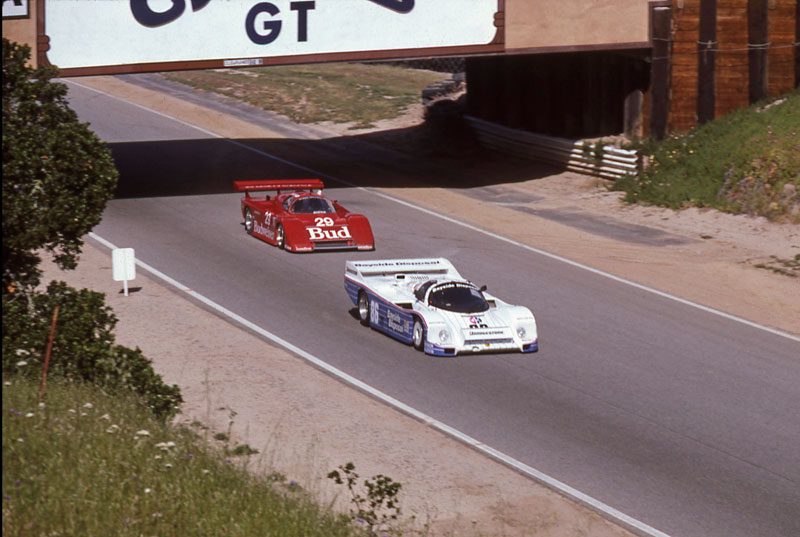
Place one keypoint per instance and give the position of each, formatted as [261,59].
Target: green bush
[57,174]
[746,162]
[83,347]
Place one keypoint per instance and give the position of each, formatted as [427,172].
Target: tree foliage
[57,174]
[57,178]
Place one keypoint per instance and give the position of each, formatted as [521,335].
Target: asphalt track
[683,419]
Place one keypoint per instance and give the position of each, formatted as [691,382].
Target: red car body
[299,218]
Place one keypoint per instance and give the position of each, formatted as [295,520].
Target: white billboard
[92,33]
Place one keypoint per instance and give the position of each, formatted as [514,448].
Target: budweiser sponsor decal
[317,234]
[263,230]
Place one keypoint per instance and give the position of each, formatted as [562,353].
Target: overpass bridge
[569,68]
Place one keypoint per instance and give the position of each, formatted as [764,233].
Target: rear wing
[278,185]
[431,268]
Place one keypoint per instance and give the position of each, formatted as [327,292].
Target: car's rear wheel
[248,221]
[418,334]
[280,237]
[363,308]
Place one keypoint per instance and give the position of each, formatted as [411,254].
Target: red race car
[299,218]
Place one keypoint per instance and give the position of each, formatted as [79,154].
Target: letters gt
[293,214]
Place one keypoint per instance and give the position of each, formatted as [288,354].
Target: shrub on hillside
[746,162]
[83,347]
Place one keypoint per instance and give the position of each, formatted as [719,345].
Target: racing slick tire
[248,221]
[418,335]
[280,237]
[363,308]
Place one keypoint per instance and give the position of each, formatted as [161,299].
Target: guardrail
[610,162]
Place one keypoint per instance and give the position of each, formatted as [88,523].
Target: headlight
[521,332]
[444,336]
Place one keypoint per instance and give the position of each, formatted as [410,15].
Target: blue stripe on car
[391,319]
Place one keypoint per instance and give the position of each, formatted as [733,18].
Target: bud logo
[316,234]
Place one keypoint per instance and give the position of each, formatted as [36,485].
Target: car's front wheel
[363,308]
[418,334]
[248,221]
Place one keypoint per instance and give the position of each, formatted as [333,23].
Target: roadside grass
[746,162]
[337,92]
[86,463]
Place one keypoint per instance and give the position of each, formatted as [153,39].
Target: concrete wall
[532,24]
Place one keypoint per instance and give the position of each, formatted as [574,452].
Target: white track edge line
[570,492]
[466,225]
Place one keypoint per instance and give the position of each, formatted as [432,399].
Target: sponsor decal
[477,322]
[486,333]
[317,234]
[454,285]
[243,63]
[263,230]
[395,263]
[396,322]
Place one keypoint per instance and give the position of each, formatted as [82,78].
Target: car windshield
[458,297]
[312,205]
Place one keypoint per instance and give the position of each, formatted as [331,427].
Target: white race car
[426,303]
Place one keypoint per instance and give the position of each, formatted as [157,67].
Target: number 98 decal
[323,221]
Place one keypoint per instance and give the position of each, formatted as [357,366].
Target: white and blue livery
[426,303]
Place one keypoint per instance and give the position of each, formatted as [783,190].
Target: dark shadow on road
[419,156]
[209,166]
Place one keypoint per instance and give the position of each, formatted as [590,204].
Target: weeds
[88,463]
[594,151]
[786,267]
[376,505]
[746,162]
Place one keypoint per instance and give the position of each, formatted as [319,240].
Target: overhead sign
[91,33]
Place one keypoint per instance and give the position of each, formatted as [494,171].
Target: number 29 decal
[323,221]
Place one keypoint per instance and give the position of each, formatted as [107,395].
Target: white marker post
[124,264]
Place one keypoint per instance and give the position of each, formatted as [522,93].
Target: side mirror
[483,288]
